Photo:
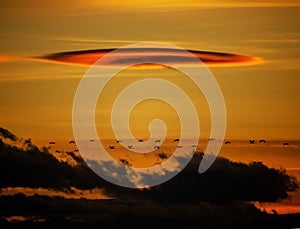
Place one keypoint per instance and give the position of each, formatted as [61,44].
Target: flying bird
[112,147]
[157,141]
[72,142]
[285,143]
[251,141]
[51,143]
[227,142]
[262,141]
[176,140]
[125,162]
[162,155]
[27,141]
[130,147]
[140,140]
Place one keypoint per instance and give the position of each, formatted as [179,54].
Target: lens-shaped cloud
[132,55]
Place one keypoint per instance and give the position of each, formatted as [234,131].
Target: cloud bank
[54,193]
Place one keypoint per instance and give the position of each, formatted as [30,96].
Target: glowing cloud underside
[174,56]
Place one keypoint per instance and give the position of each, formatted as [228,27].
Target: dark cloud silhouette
[225,181]
[59,212]
[218,198]
[34,167]
[7,134]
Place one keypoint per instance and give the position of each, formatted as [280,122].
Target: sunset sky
[261,100]
[251,48]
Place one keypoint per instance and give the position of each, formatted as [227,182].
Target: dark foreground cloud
[219,198]
[7,134]
[128,56]
[34,167]
[225,181]
[47,212]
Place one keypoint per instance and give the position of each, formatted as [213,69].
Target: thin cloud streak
[116,42]
[92,7]
[72,193]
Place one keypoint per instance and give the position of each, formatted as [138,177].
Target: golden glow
[74,193]
[145,112]
[81,7]
[190,4]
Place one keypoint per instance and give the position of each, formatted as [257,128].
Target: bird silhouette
[176,140]
[285,143]
[251,141]
[162,155]
[57,151]
[124,162]
[27,141]
[130,146]
[51,143]
[227,142]
[71,142]
[157,141]
[112,147]
[262,141]
[76,150]
[140,140]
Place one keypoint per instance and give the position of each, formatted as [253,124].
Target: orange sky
[260,99]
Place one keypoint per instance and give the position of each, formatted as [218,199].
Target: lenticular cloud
[131,55]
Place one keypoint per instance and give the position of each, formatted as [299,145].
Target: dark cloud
[225,181]
[219,198]
[34,167]
[59,212]
[7,134]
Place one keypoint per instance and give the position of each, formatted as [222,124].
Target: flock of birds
[253,141]
[141,140]
[112,147]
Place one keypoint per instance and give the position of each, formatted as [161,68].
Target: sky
[261,100]
[250,47]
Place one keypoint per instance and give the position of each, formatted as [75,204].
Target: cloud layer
[225,181]
[55,193]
